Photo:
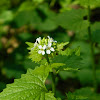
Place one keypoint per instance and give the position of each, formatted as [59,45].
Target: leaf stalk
[53,77]
[92,50]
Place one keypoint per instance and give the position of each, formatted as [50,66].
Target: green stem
[53,82]
[92,51]
[52,76]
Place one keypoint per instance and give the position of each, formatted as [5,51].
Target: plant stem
[52,76]
[53,83]
[92,51]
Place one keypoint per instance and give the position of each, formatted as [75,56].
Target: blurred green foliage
[64,20]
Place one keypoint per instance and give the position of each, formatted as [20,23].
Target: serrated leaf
[61,45]
[73,20]
[57,65]
[69,52]
[72,62]
[89,2]
[31,45]
[77,51]
[34,56]
[66,52]
[50,96]
[31,86]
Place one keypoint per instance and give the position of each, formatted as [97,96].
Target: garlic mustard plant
[31,86]
[45,45]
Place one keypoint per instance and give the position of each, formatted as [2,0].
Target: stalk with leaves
[31,86]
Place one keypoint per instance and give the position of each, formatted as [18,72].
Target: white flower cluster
[45,46]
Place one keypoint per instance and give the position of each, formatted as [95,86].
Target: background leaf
[73,20]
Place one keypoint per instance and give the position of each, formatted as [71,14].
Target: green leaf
[31,86]
[73,20]
[50,96]
[57,65]
[89,2]
[61,45]
[85,52]
[69,52]
[31,45]
[77,51]
[83,94]
[34,56]
[71,62]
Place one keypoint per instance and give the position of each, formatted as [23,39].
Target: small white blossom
[49,48]
[51,39]
[38,40]
[36,43]
[44,45]
[42,49]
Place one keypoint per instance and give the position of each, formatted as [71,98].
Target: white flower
[51,39]
[42,49]
[36,43]
[49,48]
[38,40]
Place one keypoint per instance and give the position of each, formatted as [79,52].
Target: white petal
[52,49]
[48,51]
[40,47]
[39,51]
[49,44]
[44,47]
[48,37]
[38,39]
[43,52]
